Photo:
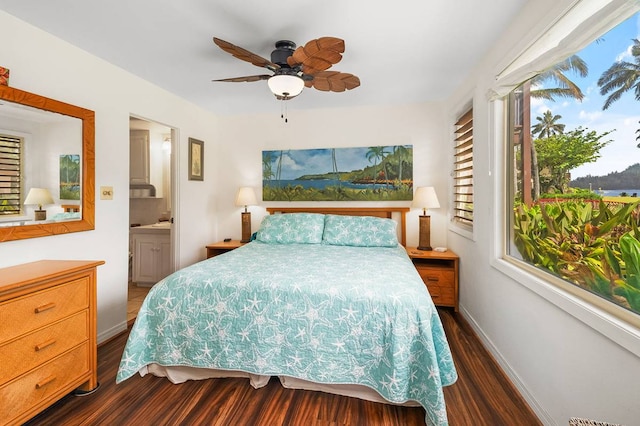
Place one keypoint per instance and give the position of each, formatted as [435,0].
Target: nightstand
[439,271]
[221,247]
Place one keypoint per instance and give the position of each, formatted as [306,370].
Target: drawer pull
[45,307]
[41,346]
[45,382]
[433,278]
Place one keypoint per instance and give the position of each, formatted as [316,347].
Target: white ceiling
[404,51]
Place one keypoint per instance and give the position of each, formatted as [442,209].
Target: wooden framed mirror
[75,216]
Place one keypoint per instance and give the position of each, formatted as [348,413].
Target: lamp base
[41,214]
[424,242]
[246,227]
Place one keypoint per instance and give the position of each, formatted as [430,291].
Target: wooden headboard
[384,212]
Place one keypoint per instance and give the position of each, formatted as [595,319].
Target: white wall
[42,64]
[242,140]
[563,366]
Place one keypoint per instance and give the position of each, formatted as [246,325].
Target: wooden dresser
[48,344]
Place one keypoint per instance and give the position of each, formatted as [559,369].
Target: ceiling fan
[294,68]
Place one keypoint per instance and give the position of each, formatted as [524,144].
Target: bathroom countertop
[161,227]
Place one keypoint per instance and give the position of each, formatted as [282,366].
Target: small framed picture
[196,159]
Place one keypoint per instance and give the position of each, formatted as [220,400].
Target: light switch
[106,192]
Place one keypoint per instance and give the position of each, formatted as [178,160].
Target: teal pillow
[291,228]
[361,231]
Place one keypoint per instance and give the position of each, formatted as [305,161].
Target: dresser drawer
[436,276]
[66,371]
[440,283]
[443,296]
[29,351]
[31,312]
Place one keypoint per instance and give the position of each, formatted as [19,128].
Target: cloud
[625,55]
[631,122]
[538,105]
[590,116]
[290,163]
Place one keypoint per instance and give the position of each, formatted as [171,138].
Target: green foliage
[574,194]
[335,193]
[560,153]
[595,248]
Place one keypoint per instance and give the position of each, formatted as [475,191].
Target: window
[10,175]
[574,174]
[463,170]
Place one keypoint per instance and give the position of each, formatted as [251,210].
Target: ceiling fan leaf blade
[248,79]
[351,81]
[330,43]
[245,55]
[318,55]
[335,81]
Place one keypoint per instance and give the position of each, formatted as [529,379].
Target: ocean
[617,192]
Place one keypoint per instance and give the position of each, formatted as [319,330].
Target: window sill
[616,329]
[463,231]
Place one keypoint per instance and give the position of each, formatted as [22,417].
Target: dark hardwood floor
[481,396]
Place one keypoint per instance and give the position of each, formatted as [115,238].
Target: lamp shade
[285,85]
[425,198]
[39,196]
[246,197]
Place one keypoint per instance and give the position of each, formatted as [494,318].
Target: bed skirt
[180,374]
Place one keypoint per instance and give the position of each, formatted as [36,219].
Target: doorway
[151,207]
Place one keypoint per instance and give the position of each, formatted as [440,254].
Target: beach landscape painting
[374,173]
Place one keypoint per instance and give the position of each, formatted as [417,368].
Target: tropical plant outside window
[574,159]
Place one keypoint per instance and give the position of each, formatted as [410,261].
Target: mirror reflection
[40,172]
[47,166]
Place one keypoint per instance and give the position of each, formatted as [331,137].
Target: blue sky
[623,115]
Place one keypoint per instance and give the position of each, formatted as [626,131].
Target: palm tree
[267,169]
[376,153]
[620,77]
[565,88]
[334,164]
[402,153]
[547,125]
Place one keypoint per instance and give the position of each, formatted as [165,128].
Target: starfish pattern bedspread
[318,312]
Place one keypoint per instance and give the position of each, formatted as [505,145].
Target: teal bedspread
[323,313]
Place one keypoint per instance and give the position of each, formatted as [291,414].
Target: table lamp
[425,198]
[246,197]
[39,196]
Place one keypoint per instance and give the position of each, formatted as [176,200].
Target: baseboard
[542,414]
[107,335]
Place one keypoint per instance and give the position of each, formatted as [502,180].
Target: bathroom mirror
[52,134]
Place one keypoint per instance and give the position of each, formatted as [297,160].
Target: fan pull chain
[283,107]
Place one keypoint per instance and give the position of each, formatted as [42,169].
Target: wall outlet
[106,192]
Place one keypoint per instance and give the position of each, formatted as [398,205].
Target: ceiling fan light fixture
[286,85]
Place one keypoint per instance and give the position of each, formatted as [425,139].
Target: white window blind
[463,170]
[10,175]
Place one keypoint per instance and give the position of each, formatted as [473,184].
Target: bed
[324,299]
